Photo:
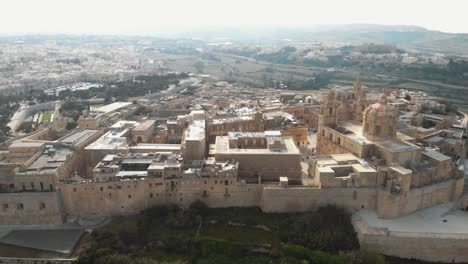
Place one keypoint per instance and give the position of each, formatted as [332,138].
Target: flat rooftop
[112,107]
[49,161]
[222,147]
[233,119]
[26,144]
[110,140]
[150,146]
[123,124]
[52,240]
[195,130]
[144,126]
[131,174]
[435,155]
[278,114]
[78,137]
[429,221]
[353,130]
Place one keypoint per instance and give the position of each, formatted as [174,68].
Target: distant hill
[407,37]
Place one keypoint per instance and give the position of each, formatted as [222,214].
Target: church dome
[382,108]
[380,120]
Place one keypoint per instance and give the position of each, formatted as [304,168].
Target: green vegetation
[8,106]
[73,108]
[71,125]
[122,90]
[46,117]
[25,127]
[167,234]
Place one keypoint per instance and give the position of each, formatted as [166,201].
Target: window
[226,182]
[42,206]
[377,130]
[339,141]
[151,195]
[74,189]
[42,186]
[102,189]
[216,182]
[129,196]
[32,185]
[51,187]
[20,206]
[5,207]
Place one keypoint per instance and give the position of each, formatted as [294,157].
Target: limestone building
[261,155]
[404,169]
[194,137]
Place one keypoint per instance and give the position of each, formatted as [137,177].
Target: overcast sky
[156,16]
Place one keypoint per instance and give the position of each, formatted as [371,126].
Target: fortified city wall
[30,208]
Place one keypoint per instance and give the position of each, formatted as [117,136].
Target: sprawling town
[233,132]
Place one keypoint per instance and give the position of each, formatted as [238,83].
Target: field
[238,69]
[95,106]
[46,117]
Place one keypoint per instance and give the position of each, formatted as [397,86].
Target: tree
[71,125]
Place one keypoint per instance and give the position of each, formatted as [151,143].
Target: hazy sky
[156,16]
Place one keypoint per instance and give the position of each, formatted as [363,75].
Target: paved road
[17,118]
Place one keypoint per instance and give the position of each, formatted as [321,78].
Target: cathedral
[369,132]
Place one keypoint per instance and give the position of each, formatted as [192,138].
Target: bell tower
[328,110]
[360,101]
